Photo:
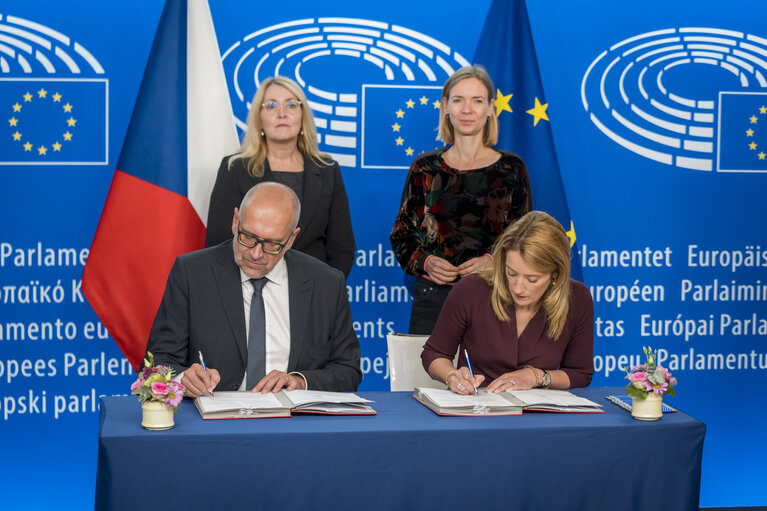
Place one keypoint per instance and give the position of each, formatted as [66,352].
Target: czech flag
[181,127]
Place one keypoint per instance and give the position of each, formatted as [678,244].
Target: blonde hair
[490,131]
[542,243]
[254,148]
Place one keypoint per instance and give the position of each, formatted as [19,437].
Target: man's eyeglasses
[291,106]
[250,241]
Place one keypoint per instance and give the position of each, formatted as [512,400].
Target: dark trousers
[427,304]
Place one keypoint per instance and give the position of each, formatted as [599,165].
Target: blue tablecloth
[406,457]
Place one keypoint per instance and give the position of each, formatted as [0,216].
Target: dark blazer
[202,310]
[325,222]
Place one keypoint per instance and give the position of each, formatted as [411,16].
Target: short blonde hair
[542,243]
[254,148]
[446,131]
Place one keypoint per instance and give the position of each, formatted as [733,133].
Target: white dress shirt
[276,316]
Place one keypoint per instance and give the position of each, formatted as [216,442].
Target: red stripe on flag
[143,229]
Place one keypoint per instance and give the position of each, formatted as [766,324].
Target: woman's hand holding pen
[199,381]
[462,382]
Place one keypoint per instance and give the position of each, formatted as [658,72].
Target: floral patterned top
[457,214]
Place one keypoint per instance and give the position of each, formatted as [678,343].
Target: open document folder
[445,402]
[249,405]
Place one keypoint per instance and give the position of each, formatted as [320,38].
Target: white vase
[156,415]
[649,408]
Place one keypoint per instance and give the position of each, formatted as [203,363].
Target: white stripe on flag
[211,133]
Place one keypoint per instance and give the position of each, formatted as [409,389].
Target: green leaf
[635,392]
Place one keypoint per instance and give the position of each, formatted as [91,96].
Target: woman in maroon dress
[524,323]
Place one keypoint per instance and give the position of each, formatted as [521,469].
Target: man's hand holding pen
[199,381]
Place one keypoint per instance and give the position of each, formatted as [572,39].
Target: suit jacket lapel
[227,275]
[312,189]
[300,291]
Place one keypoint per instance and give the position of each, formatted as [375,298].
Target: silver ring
[512,382]
[459,386]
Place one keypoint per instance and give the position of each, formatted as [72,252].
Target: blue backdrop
[655,112]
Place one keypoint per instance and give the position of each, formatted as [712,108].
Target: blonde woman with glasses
[280,145]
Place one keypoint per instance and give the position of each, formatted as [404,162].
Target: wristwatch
[546,379]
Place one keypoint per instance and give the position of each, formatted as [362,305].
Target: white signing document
[445,402]
[554,401]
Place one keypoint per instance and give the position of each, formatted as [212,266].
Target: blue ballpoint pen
[476,392]
[202,363]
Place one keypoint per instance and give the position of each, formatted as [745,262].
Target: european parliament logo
[742,132]
[398,123]
[381,70]
[55,120]
[687,97]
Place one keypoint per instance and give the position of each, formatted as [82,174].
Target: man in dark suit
[307,339]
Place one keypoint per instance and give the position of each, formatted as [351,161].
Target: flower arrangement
[155,384]
[649,378]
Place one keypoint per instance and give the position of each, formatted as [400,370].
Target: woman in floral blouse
[458,199]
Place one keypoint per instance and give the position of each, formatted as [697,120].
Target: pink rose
[638,376]
[136,384]
[159,389]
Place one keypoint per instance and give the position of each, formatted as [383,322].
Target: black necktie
[257,335]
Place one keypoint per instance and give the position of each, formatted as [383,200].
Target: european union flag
[399,122]
[53,121]
[506,50]
[742,132]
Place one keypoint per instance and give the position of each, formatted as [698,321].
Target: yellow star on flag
[399,140]
[67,108]
[752,145]
[17,107]
[762,155]
[539,112]
[17,136]
[571,234]
[71,121]
[400,114]
[502,103]
[27,146]
[395,127]
[56,146]
[27,97]
[57,97]
[752,119]
[763,109]
[67,136]
[42,92]
[410,103]
[749,132]
[42,150]
[437,104]
[13,121]
[424,100]
[409,151]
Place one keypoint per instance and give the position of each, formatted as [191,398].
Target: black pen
[202,363]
